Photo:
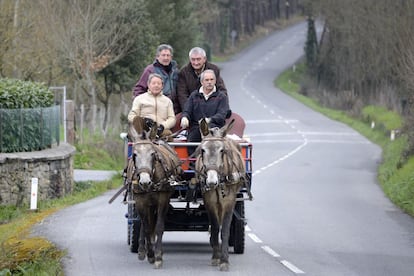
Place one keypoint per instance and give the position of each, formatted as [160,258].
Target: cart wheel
[237,229]
[129,215]
[134,227]
[129,233]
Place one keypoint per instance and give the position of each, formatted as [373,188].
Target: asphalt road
[318,209]
[93,175]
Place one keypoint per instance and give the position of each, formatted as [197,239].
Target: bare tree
[92,34]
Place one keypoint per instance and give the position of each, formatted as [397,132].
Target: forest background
[97,49]
[363,56]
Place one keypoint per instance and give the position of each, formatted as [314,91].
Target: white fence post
[33,194]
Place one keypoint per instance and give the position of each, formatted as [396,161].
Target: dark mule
[154,166]
[220,169]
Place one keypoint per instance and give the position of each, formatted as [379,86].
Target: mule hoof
[158,264]
[215,262]
[151,260]
[141,256]
[224,267]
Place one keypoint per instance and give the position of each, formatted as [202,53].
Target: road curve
[317,208]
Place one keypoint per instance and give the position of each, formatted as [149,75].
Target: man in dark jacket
[206,102]
[189,75]
[165,66]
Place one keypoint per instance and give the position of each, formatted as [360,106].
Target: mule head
[219,158]
[142,134]
[210,161]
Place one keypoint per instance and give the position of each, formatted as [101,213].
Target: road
[317,208]
[93,175]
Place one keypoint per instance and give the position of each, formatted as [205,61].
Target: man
[167,68]
[206,102]
[189,75]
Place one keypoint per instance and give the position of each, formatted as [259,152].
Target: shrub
[28,121]
[24,94]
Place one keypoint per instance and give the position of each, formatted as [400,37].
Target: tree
[311,46]
[93,34]
[177,25]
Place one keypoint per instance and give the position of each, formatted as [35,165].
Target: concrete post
[70,122]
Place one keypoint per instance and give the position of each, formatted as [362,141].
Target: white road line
[303,142]
[271,121]
[263,134]
[291,267]
[270,251]
[310,141]
[255,238]
[298,148]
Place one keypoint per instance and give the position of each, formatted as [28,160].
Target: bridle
[157,158]
[222,170]
[138,171]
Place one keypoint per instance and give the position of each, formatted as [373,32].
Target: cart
[187,211]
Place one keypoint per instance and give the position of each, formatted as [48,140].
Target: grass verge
[23,254]
[396,172]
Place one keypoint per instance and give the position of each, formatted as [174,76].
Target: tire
[129,233]
[129,215]
[134,227]
[237,229]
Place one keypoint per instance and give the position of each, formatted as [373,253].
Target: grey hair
[197,50]
[155,75]
[164,47]
[207,71]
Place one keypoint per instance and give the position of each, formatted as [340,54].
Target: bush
[24,94]
[28,121]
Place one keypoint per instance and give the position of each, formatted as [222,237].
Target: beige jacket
[158,108]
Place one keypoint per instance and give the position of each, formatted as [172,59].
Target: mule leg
[225,234]
[148,238]
[163,203]
[214,242]
[141,241]
[210,201]
[146,242]
[141,247]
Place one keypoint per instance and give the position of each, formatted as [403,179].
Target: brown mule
[152,169]
[220,169]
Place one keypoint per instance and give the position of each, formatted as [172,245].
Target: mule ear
[153,131]
[226,129]
[132,132]
[204,127]
[138,124]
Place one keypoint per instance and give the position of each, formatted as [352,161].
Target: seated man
[207,102]
[189,75]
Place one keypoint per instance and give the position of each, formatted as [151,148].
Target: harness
[164,164]
[224,172]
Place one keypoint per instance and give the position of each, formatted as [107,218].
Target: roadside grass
[23,254]
[396,171]
[99,153]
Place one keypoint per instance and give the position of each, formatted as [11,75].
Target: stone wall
[53,168]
